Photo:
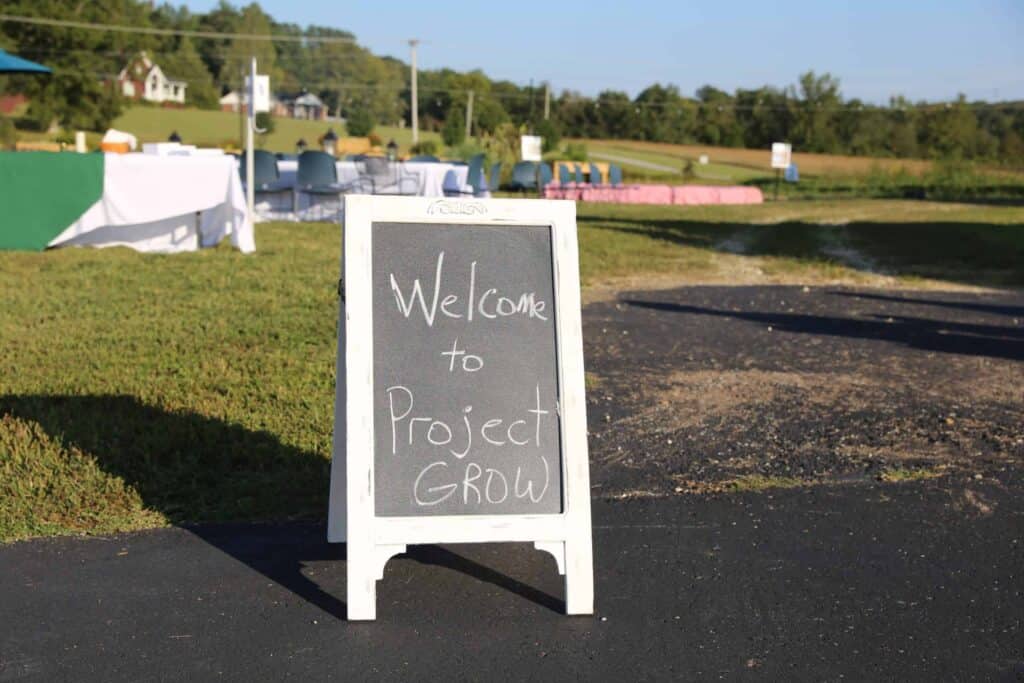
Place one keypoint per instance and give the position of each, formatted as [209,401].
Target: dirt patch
[707,389]
[686,399]
[737,269]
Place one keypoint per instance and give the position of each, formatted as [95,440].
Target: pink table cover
[655,194]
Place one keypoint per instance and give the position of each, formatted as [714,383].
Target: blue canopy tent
[16,65]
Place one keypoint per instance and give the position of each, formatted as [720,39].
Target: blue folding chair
[545,175]
[524,176]
[266,175]
[614,175]
[578,172]
[595,175]
[318,176]
[563,175]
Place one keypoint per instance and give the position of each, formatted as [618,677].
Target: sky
[926,50]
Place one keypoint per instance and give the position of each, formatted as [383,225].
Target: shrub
[467,150]
[360,123]
[576,151]
[375,140]
[454,130]
[424,147]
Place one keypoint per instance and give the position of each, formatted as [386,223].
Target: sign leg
[579,576]
[362,583]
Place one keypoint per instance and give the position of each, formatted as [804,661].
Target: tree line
[812,114]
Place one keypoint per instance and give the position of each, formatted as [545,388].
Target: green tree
[951,130]
[80,93]
[240,51]
[817,99]
[550,134]
[186,64]
[716,118]
[454,131]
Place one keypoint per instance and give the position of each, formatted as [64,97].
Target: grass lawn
[711,173]
[143,390]
[758,159]
[215,128]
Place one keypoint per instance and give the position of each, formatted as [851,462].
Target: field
[742,162]
[146,390]
[823,176]
[216,128]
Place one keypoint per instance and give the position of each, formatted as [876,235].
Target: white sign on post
[782,154]
[531,147]
[460,413]
[259,93]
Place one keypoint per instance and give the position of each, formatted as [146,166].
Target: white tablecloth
[150,203]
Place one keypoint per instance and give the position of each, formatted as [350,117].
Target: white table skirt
[150,203]
[433,179]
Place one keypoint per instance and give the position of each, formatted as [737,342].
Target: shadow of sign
[218,479]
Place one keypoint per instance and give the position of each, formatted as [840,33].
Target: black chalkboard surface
[465,371]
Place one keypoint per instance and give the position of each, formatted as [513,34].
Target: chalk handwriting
[491,304]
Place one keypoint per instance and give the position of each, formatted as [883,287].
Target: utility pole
[469,116]
[250,190]
[547,100]
[415,100]
[531,107]
[241,106]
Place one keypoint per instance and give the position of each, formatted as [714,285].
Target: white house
[144,80]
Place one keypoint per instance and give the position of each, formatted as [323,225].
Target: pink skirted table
[655,194]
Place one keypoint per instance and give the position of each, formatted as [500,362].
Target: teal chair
[564,178]
[614,175]
[524,176]
[578,173]
[266,175]
[545,175]
[317,176]
[595,175]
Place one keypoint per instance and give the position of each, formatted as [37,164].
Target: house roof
[309,100]
[149,65]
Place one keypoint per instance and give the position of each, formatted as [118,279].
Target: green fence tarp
[42,193]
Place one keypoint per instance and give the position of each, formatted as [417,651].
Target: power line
[116,28]
[790,106]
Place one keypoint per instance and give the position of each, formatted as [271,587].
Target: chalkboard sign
[460,412]
[464,371]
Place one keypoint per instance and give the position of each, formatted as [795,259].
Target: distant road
[635,162]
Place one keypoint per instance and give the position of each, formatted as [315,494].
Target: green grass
[758,482]
[901,474]
[216,128]
[713,173]
[807,241]
[141,390]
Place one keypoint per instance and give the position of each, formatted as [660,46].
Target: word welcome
[490,304]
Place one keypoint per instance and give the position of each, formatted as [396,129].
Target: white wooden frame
[373,540]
